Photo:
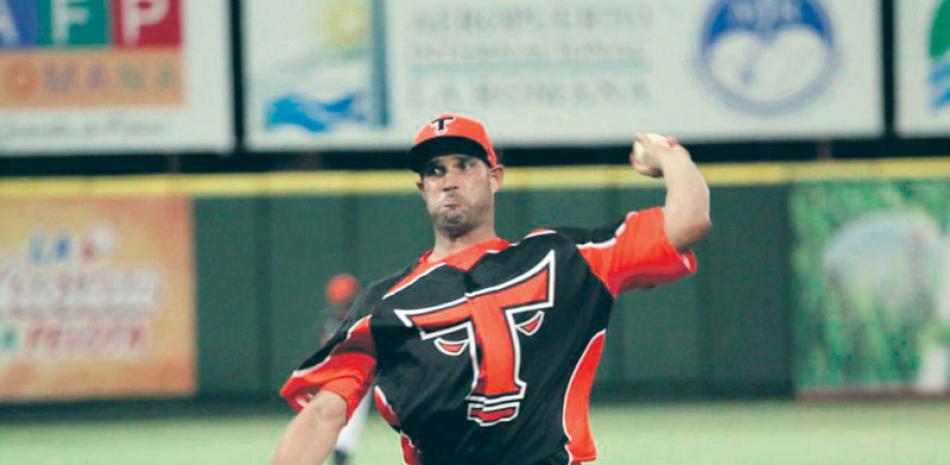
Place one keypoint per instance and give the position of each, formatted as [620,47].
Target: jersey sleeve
[345,365]
[635,253]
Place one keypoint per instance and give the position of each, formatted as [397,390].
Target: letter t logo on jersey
[491,320]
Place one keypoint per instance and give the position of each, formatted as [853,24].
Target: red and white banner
[100,75]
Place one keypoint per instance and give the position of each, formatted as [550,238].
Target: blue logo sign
[767,56]
[314,115]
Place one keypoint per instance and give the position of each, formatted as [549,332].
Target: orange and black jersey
[489,355]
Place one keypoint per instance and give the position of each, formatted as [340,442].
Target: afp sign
[79,53]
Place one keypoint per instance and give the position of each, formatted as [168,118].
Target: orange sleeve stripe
[639,254]
[410,454]
[348,375]
[385,410]
[419,271]
[348,371]
[580,445]
[350,389]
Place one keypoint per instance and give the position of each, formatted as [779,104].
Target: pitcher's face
[459,193]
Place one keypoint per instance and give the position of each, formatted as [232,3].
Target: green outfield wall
[262,263]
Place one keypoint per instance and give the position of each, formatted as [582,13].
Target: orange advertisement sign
[96,298]
[90,53]
[69,79]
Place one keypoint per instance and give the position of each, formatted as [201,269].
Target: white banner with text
[114,75]
[350,74]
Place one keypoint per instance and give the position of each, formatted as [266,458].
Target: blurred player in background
[340,292]
[484,351]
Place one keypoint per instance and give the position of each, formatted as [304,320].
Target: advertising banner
[363,73]
[114,75]
[871,263]
[315,74]
[923,67]
[96,298]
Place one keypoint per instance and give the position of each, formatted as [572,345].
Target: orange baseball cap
[342,288]
[451,134]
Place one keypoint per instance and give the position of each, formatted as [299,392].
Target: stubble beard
[458,222]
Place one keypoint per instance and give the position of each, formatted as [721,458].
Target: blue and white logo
[314,115]
[326,82]
[767,56]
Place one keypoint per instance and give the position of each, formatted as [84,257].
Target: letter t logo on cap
[441,124]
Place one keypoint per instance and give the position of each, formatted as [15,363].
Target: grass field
[900,433]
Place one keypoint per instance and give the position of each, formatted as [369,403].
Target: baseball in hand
[639,151]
